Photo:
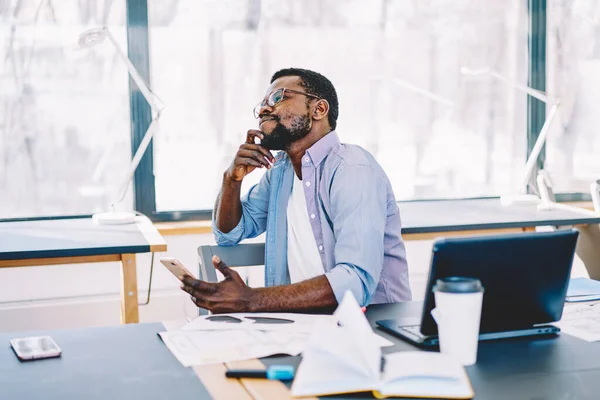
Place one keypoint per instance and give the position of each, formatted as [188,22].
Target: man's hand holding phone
[176,268]
[249,157]
[229,295]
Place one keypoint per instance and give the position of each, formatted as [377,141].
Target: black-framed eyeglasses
[277,97]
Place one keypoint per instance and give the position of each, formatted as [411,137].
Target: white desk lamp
[91,38]
[522,197]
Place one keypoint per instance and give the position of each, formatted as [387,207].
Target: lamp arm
[538,94]
[152,99]
[139,153]
[537,147]
[423,92]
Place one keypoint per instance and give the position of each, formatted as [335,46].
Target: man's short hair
[317,84]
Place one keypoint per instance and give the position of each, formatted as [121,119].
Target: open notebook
[343,360]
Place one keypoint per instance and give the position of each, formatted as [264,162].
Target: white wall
[68,296]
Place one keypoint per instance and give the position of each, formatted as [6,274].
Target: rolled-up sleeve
[359,213]
[230,238]
[255,206]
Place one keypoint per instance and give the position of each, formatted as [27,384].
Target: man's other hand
[249,157]
[229,295]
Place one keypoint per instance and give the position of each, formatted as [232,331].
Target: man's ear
[321,110]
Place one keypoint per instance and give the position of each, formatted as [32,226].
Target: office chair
[242,255]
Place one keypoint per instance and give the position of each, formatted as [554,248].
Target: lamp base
[547,206]
[114,218]
[519,200]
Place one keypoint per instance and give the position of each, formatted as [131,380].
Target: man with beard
[331,220]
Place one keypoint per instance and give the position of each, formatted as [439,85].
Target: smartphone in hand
[176,267]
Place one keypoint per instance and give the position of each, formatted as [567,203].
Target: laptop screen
[525,276]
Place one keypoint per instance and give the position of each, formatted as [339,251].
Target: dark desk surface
[130,361]
[74,237]
[121,362]
[475,214]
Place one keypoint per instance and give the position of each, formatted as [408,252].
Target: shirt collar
[318,151]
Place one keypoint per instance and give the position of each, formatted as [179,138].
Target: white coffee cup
[457,313]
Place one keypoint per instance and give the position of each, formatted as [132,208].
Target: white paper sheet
[582,321]
[260,321]
[241,336]
[209,347]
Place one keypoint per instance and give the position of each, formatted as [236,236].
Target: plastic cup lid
[458,284]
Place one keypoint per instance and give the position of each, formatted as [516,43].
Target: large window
[64,112]
[412,77]
[427,86]
[573,151]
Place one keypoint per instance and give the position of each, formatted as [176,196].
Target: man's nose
[264,109]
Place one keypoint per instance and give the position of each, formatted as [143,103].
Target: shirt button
[306,159]
[307,183]
[321,248]
[312,216]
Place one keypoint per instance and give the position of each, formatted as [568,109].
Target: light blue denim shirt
[354,218]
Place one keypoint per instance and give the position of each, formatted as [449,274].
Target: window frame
[138,50]
[536,76]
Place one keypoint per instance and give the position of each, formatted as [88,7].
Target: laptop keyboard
[414,329]
[414,332]
[410,332]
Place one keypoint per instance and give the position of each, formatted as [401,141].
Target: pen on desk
[274,372]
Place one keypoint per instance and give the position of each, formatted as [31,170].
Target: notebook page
[339,345]
[424,374]
[322,374]
[356,328]
[420,363]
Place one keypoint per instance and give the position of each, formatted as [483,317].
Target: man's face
[287,121]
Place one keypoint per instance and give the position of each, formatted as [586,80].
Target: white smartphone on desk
[34,348]
[176,267]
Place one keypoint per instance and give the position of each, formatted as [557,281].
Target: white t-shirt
[304,260]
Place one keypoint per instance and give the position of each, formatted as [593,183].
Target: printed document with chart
[210,339]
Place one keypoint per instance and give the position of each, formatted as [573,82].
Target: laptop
[525,277]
